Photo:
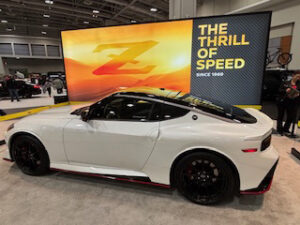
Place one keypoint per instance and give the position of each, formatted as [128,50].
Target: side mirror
[85,115]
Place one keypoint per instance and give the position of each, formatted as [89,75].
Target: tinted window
[120,108]
[216,107]
[171,112]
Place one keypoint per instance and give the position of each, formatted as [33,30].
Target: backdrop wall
[215,57]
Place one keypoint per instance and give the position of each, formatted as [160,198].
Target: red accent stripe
[250,150]
[6,159]
[112,178]
[257,192]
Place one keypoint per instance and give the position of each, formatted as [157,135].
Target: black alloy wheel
[30,155]
[204,178]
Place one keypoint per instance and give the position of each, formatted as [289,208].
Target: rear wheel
[29,95]
[204,178]
[30,155]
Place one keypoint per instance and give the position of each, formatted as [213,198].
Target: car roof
[151,92]
[213,107]
[178,97]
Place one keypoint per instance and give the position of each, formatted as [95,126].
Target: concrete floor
[36,101]
[63,199]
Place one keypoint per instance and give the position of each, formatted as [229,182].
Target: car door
[120,133]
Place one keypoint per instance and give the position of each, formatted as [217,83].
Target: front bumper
[265,184]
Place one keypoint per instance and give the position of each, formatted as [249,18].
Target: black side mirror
[85,115]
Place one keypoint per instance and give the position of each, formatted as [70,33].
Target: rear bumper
[265,184]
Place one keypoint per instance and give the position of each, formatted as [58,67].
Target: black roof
[208,105]
[170,96]
[151,92]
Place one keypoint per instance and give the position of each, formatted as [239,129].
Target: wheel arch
[190,151]
[19,133]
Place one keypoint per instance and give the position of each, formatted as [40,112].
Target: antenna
[177,94]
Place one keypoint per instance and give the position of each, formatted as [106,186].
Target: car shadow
[79,183]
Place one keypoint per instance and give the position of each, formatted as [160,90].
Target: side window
[121,108]
[171,112]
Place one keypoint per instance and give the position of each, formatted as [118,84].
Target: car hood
[58,113]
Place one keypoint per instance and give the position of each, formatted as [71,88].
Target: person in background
[12,87]
[288,102]
[58,85]
[2,113]
[47,87]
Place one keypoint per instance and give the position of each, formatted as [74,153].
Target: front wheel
[30,155]
[204,178]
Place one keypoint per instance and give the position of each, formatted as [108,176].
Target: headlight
[10,127]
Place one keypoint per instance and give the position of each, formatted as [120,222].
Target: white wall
[219,7]
[45,41]
[34,65]
[28,39]
[40,64]
[286,16]
[282,30]
[284,12]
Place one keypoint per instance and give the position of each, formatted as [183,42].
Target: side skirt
[138,180]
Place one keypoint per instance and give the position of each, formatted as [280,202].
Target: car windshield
[217,108]
[78,111]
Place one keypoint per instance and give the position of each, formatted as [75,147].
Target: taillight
[36,86]
[249,150]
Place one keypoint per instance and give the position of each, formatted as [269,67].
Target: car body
[143,134]
[26,90]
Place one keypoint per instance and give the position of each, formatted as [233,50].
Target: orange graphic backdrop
[100,61]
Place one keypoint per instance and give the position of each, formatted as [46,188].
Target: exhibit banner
[221,57]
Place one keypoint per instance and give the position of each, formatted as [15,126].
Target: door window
[122,108]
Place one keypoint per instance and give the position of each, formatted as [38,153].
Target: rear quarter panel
[183,134]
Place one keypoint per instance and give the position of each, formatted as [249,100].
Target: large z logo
[128,56]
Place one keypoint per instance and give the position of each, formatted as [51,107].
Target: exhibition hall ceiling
[49,17]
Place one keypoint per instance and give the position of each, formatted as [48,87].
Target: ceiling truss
[26,17]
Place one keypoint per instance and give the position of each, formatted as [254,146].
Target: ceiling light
[95,11]
[3,21]
[44,32]
[133,21]
[86,22]
[49,2]
[95,16]
[45,25]
[0,10]
[46,15]
[153,9]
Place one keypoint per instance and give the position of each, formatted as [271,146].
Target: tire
[204,178]
[29,95]
[284,59]
[30,155]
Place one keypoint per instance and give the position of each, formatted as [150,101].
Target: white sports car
[207,150]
